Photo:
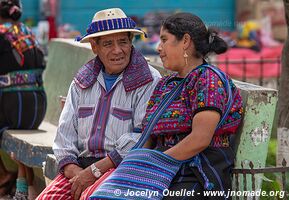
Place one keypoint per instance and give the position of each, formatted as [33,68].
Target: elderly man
[106,102]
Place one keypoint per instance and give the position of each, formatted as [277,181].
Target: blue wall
[30,9]
[219,13]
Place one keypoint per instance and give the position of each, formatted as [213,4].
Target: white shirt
[95,122]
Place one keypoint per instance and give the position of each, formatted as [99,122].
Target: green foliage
[271,157]
[272,181]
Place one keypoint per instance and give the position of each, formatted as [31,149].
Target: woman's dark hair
[10,9]
[205,40]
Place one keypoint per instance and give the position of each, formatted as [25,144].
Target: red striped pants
[60,188]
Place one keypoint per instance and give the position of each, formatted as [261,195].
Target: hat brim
[102,33]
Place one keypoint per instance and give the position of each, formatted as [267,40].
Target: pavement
[7,197]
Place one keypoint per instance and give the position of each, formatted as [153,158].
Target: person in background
[187,129]
[106,102]
[22,96]
[250,36]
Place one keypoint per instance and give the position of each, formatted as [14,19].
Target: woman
[22,97]
[187,128]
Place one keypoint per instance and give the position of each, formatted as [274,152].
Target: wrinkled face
[114,51]
[170,50]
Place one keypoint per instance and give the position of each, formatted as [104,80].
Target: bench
[32,146]
[254,133]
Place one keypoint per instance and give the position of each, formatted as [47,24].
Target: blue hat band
[111,24]
[108,25]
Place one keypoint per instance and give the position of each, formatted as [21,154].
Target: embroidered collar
[135,75]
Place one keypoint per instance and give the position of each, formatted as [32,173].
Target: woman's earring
[186,58]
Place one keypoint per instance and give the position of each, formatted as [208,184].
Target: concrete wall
[65,57]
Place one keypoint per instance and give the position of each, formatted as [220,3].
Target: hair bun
[216,43]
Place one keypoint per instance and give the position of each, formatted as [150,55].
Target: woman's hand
[203,128]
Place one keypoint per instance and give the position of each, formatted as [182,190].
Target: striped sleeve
[65,143]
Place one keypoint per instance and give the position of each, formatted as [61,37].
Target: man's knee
[60,188]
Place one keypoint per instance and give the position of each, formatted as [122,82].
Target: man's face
[114,51]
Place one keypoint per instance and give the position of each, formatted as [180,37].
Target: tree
[283,104]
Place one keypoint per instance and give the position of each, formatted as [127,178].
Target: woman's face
[171,51]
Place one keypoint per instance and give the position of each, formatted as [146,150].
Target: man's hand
[80,182]
[71,170]
[83,178]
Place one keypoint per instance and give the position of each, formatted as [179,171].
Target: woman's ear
[186,40]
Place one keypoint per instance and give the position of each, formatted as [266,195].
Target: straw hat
[107,22]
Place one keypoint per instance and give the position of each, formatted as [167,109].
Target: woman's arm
[203,128]
[149,144]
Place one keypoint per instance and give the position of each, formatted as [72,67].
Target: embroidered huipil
[21,59]
[22,97]
[17,42]
[203,90]
[98,123]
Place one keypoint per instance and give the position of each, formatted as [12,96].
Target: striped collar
[135,75]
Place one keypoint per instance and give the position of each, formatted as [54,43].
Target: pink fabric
[13,9]
[60,188]
[252,70]
[52,27]
[85,195]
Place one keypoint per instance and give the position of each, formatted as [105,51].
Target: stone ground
[7,197]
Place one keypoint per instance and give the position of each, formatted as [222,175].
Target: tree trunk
[283,104]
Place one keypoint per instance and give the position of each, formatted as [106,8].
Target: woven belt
[23,77]
[222,140]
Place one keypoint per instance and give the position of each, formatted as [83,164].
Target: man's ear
[93,45]
[186,40]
